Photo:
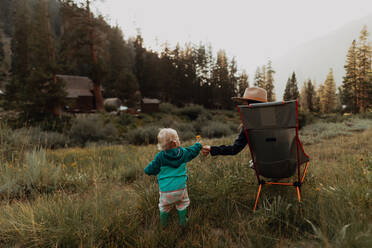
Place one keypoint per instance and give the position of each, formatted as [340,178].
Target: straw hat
[253,93]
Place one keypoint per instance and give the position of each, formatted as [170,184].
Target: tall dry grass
[101,198]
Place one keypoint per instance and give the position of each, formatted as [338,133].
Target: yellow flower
[73,164]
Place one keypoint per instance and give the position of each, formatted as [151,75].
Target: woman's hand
[206,150]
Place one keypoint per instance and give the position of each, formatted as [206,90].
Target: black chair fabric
[271,129]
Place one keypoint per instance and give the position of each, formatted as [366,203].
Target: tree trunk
[98,95]
[96,84]
[57,109]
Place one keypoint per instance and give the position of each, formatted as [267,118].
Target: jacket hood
[174,157]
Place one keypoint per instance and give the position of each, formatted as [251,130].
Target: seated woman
[251,95]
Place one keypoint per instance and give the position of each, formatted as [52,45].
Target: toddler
[170,167]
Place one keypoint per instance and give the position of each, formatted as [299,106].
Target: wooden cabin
[149,105]
[80,96]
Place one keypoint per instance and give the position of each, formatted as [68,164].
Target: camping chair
[276,150]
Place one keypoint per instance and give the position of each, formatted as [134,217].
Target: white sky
[250,30]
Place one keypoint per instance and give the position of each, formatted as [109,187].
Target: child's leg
[182,217]
[164,218]
[164,207]
[182,207]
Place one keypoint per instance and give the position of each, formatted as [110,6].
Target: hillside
[314,58]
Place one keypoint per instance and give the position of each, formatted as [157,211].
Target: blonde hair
[165,138]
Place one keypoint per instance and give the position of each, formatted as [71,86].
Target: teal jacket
[170,166]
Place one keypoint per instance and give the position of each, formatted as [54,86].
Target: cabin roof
[76,86]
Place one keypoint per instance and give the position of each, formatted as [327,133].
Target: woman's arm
[233,149]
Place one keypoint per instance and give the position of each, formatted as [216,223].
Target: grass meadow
[98,196]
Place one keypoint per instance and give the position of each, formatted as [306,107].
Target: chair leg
[257,197]
[304,173]
[298,193]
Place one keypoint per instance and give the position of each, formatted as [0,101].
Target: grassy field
[98,196]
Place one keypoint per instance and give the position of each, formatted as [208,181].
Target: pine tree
[243,83]
[168,72]
[258,79]
[233,79]
[223,89]
[322,98]
[83,44]
[97,72]
[316,99]
[201,61]
[310,96]
[269,84]
[6,18]
[294,88]
[370,88]
[20,47]
[287,91]
[120,81]
[364,54]
[291,90]
[263,77]
[2,57]
[350,81]
[139,63]
[329,93]
[2,53]
[42,93]
[303,98]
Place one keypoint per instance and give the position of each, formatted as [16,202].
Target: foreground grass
[99,197]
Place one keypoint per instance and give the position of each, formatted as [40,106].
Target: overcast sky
[250,30]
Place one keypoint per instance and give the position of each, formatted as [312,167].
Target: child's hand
[206,150]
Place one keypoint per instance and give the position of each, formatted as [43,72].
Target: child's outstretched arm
[153,168]
[192,151]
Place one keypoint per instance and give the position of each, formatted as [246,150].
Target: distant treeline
[355,93]
[63,37]
[52,37]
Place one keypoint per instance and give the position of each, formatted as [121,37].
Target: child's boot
[164,219]
[182,217]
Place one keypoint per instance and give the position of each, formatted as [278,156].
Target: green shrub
[126,119]
[53,140]
[35,175]
[30,138]
[143,136]
[315,132]
[216,130]
[201,121]
[182,127]
[335,118]
[185,130]
[366,115]
[305,118]
[168,121]
[46,122]
[167,108]
[192,111]
[91,129]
